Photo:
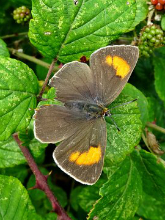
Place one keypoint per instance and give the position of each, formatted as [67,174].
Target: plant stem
[46,80]
[125,38]
[156,127]
[41,181]
[13,35]
[32,59]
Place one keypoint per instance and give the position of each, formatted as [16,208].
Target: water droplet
[47,33]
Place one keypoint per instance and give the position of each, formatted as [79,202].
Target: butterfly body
[79,124]
[92,111]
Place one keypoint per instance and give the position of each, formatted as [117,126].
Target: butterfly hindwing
[82,154]
[55,123]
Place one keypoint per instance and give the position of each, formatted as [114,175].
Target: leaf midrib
[26,92]
[127,183]
[151,176]
[62,44]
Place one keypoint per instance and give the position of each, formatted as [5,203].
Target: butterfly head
[106,112]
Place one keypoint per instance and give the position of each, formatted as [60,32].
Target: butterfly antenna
[114,123]
[126,103]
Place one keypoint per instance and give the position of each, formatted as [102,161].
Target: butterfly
[79,124]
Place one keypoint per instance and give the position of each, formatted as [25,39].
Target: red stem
[46,80]
[41,181]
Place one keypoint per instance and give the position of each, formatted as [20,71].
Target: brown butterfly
[80,123]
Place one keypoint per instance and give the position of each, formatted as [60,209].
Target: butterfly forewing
[73,82]
[82,155]
[112,67]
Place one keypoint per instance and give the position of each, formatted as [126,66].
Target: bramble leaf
[61,29]
[10,154]
[152,171]
[159,69]
[14,202]
[141,100]
[3,49]
[127,118]
[141,12]
[151,208]
[18,90]
[88,195]
[120,195]
[74,197]
[20,172]
[163,23]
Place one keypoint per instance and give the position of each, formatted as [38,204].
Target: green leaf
[61,29]
[120,195]
[50,98]
[163,23]
[127,117]
[37,148]
[18,90]
[74,197]
[152,107]
[14,200]
[141,100]
[151,208]
[71,216]
[89,194]
[143,76]
[151,170]
[50,216]
[136,218]
[3,49]
[51,94]
[156,111]
[20,172]
[2,16]
[20,3]
[159,69]
[141,12]
[162,147]
[10,154]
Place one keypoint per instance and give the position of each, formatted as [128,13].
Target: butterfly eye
[107,114]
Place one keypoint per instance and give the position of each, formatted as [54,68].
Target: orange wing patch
[89,157]
[120,65]
[109,60]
